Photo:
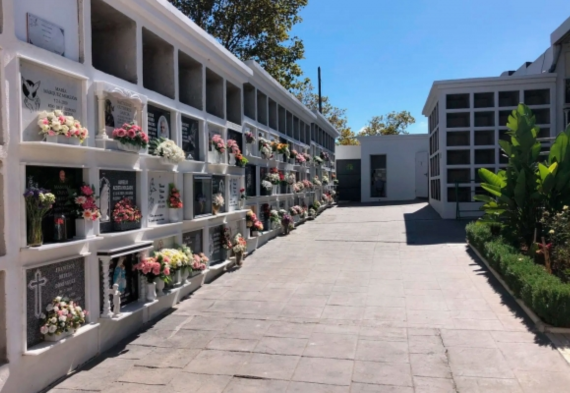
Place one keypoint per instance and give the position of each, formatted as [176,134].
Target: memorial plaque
[202,195]
[250,180]
[191,138]
[45,34]
[157,198]
[219,186]
[117,113]
[234,194]
[121,272]
[46,90]
[114,186]
[216,251]
[194,241]
[158,122]
[44,283]
[63,183]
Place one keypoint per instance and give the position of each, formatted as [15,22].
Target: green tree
[394,123]
[254,29]
[336,116]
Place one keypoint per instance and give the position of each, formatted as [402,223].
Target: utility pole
[320,96]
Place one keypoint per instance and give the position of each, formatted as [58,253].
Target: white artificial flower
[62,318]
[62,304]
[42,316]
[65,312]
[53,320]
[58,299]
[52,329]
[69,121]
[78,308]
[81,314]
[58,113]
[49,307]
[43,114]
[55,308]
[44,330]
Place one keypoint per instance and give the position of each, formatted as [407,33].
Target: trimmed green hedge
[544,293]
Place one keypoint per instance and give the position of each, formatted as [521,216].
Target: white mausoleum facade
[106,63]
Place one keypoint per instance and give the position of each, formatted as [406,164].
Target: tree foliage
[336,116]
[254,29]
[394,123]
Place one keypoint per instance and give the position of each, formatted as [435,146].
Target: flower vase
[248,149]
[159,286]
[128,147]
[184,274]
[151,291]
[173,215]
[168,161]
[52,138]
[215,209]
[84,228]
[73,141]
[214,157]
[177,277]
[239,258]
[232,159]
[275,190]
[35,234]
[57,337]
[255,233]
[279,157]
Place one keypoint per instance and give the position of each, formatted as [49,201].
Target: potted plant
[174,203]
[168,151]
[239,248]
[250,218]
[308,185]
[156,271]
[233,151]
[249,140]
[199,264]
[58,128]
[186,269]
[283,150]
[312,213]
[275,219]
[317,182]
[38,203]
[318,160]
[265,149]
[62,318]
[126,216]
[219,148]
[267,186]
[325,180]
[87,212]
[274,178]
[240,160]
[178,262]
[300,158]
[257,227]
[131,137]
[217,203]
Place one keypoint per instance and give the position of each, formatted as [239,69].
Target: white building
[105,63]
[468,117]
[383,168]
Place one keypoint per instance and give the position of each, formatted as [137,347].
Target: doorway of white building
[422,174]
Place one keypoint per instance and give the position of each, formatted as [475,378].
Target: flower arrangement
[267,185]
[168,149]
[274,146]
[335,182]
[125,211]
[131,134]
[218,200]
[300,158]
[298,187]
[188,256]
[325,180]
[307,157]
[226,238]
[307,184]
[56,123]
[85,201]
[38,203]
[241,161]
[287,221]
[318,160]
[273,176]
[63,316]
[304,214]
[325,156]
[239,245]
[258,226]
[233,147]
[294,153]
[312,212]
[290,178]
[250,218]
[283,148]
[175,257]
[218,144]
[265,148]
[316,205]
[154,267]
[274,217]
[295,210]
[316,181]
[200,262]
[249,137]
[174,201]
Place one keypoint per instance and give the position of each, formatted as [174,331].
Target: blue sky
[379,55]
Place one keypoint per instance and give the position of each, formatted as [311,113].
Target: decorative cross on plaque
[36,286]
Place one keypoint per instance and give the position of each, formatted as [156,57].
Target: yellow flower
[565,207]
[551,231]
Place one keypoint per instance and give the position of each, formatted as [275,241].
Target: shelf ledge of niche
[165,225]
[220,266]
[129,310]
[44,145]
[45,346]
[124,233]
[53,246]
[212,217]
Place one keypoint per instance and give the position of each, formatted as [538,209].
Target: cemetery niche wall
[202,196]
[157,197]
[191,138]
[43,284]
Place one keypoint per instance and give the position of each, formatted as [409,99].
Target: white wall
[348,152]
[400,151]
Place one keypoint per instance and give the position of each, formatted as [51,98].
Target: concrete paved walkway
[365,299]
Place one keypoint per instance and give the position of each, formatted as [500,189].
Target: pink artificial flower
[167,271]
[121,133]
[131,133]
[86,190]
[45,121]
[51,133]
[156,270]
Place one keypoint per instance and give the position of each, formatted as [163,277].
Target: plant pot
[159,286]
[126,226]
[215,209]
[130,148]
[254,233]
[35,234]
[239,258]
[173,215]
[52,139]
[232,159]
[57,337]
[214,157]
[73,141]
[151,291]
[84,228]
[248,149]
[168,161]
